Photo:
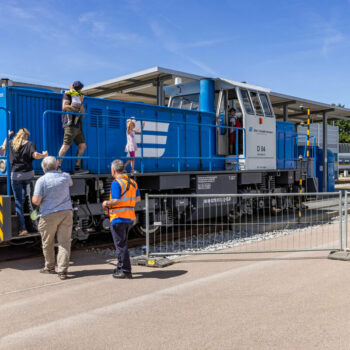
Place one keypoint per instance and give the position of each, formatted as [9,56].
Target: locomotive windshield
[256,103]
[246,101]
[266,106]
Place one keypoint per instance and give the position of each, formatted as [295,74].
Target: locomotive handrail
[7,157]
[302,135]
[178,158]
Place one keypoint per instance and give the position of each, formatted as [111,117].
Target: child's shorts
[132,154]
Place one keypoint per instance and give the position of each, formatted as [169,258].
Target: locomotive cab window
[266,105]
[256,103]
[246,101]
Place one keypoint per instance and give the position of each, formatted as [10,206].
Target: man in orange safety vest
[121,209]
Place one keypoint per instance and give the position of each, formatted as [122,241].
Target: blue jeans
[21,192]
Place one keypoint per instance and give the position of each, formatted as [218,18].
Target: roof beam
[311,112]
[134,85]
[281,104]
[141,94]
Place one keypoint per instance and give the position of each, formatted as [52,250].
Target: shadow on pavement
[88,273]
[160,274]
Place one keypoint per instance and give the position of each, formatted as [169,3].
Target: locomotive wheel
[141,230]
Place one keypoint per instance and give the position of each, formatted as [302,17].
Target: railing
[296,158]
[178,158]
[6,157]
[183,224]
[313,157]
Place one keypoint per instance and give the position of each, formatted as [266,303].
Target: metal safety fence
[245,223]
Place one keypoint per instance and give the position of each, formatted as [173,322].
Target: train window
[186,102]
[266,106]
[246,101]
[256,103]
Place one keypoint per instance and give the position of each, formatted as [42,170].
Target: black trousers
[120,233]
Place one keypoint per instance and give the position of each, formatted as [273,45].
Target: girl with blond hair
[22,154]
[131,145]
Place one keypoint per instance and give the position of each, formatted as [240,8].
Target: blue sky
[297,47]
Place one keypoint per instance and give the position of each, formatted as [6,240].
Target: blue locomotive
[182,148]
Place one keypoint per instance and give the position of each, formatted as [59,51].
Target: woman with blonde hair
[22,154]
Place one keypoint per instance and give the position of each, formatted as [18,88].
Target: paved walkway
[275,301]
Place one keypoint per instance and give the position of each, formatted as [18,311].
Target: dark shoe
[80,171]
[45,270]
[62,276]
[116,270]
[121,274]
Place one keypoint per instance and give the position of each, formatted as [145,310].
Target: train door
[227,100]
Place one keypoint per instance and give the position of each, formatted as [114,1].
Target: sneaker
[122,275]
[62,275]
[23,233]
[79,171]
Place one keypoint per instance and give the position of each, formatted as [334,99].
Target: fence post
[340,221]
[346,221]
[147,225]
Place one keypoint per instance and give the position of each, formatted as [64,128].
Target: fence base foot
[142,260]
[339,255]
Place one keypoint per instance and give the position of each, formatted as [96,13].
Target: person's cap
[78,85]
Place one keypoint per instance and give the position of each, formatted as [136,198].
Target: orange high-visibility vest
[125,207]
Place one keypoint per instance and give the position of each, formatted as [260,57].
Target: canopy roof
[297,108]
[138,87]
[143,86]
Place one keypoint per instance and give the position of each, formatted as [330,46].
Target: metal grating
[114,120]
[95,118]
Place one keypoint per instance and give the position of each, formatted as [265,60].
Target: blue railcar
[180,150]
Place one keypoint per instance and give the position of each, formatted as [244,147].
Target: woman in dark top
[22,154]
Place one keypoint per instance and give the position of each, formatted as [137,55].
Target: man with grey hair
[51,192]
[121,209]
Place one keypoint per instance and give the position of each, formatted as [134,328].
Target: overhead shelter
[144,86]
[294,109]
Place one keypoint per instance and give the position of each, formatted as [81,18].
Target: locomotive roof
[142,87]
